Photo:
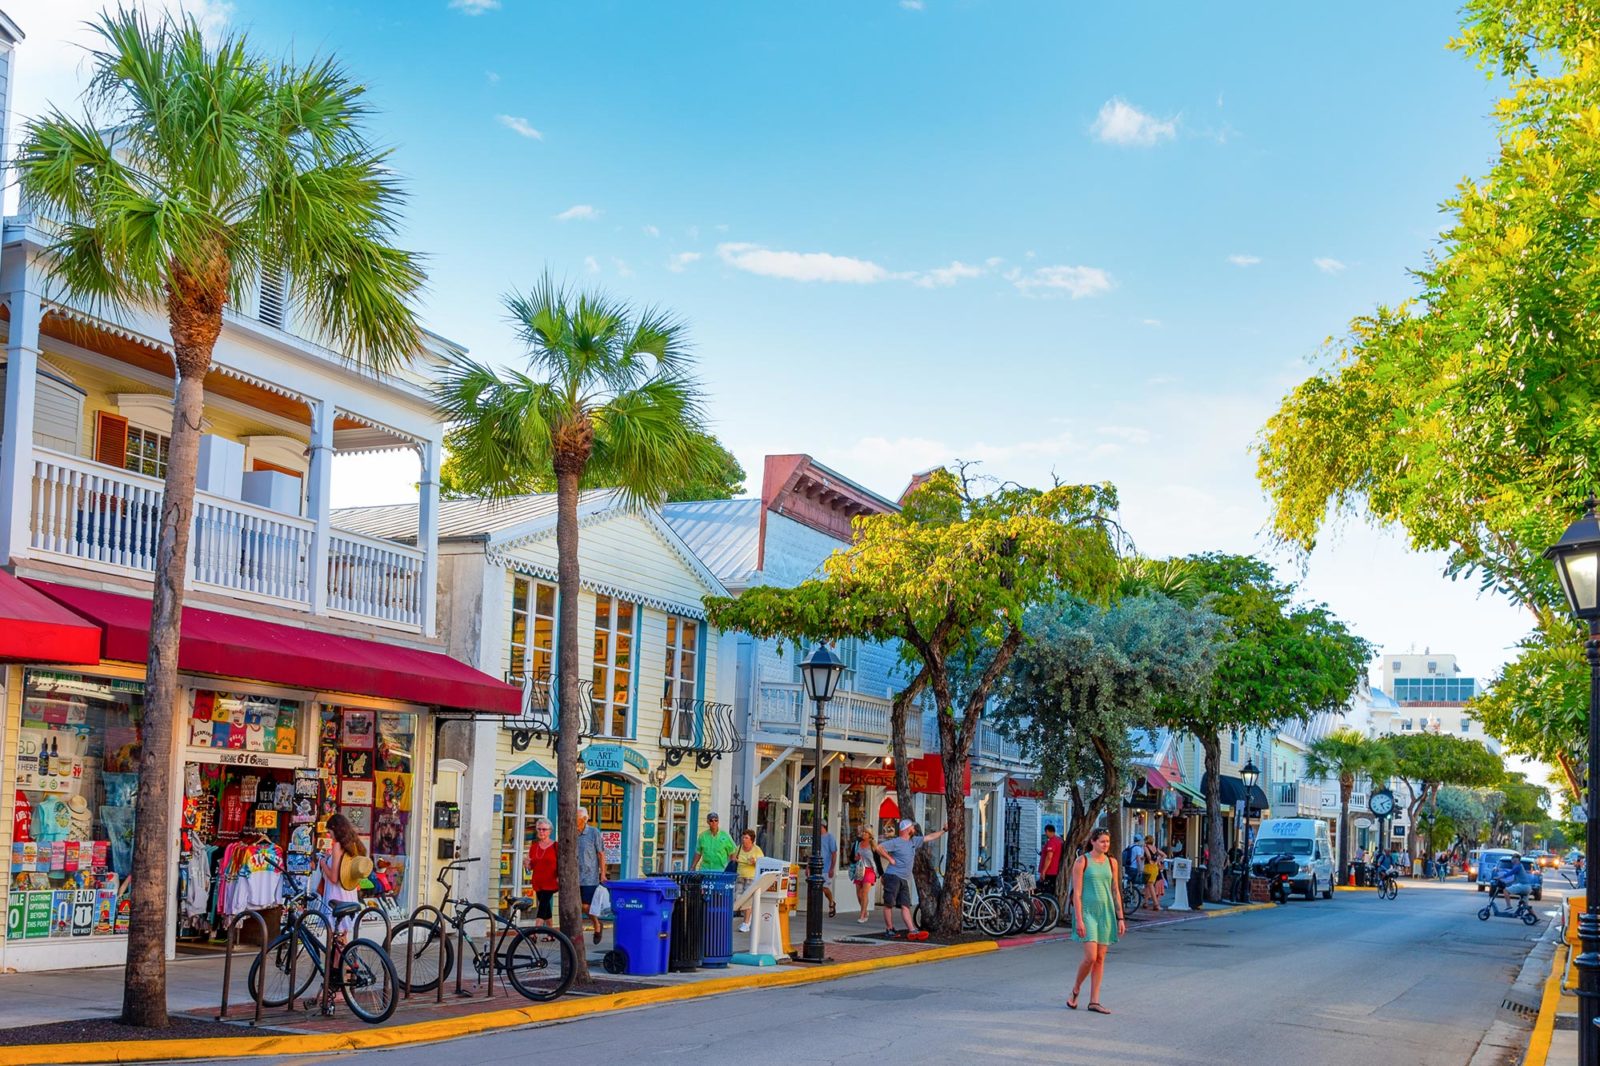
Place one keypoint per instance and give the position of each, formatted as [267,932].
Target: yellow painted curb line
[447,1028]
[1244,908]
[1544,1026]
[1355,888]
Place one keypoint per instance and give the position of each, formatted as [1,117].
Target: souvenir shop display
[234,831]
[76,766]
[367,768]
[244,723]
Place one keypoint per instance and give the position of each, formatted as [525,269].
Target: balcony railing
[540,716]
[101,515]
[782,708]
[995,746]
[1302,797]
[697,727]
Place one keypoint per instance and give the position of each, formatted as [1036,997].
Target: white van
[1306,839]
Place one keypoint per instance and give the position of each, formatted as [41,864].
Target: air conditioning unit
[221,467]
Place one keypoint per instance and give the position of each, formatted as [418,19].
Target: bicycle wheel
[1052,910]
[479,929]
[1132,896]
[1021,915]
[539,962]
[990,918]
[1037,914]
[421,940]
[276,991]
[1394,888]
[367,980]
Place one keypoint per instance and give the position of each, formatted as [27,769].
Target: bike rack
[494,956]
[438,924]
[232,928]
[383,916]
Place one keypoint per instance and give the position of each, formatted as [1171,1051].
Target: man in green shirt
[714,847]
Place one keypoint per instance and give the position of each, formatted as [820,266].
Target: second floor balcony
[784,710]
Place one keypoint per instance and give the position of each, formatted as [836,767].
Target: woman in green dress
[1097,914]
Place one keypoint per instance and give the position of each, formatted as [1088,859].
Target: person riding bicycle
[1385,866]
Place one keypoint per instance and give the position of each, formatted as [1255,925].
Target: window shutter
[110,439]
[274,295]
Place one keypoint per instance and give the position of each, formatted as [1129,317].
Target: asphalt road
[1356,980]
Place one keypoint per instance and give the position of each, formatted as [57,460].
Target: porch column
[16,451]
[319,500]
[428,532]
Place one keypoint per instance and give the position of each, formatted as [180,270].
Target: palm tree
[194,166]
[607,401]
[1347,755]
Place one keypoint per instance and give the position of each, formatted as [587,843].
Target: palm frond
[652,438]
[500,427]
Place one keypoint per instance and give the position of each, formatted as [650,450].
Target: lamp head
[1577,559]
[820,671]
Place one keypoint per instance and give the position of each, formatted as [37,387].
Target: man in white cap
[591,866]
[900,852]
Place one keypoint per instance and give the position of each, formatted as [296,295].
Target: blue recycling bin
[717,928]
[643,926]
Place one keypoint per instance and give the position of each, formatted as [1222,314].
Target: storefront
[259,766]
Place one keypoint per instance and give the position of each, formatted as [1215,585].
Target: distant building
[1432,697]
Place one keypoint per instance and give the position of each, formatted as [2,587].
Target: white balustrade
[375,578]
[248,549]
[94,513]
[783,708]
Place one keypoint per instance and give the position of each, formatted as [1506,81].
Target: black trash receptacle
[1197,887]
[688,923]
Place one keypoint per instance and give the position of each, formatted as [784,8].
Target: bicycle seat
[521,903]
[344,910]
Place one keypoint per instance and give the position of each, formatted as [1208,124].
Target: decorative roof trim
[259,382]
[548,573]
[414,440]
[680,787]
[532,776]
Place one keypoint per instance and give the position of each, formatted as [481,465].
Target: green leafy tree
[719,477]
[1428,761]
[1525,803]
[1085,688]
[1464,807]
[1344,755]
[607,398]
[193,167]
[950,577]
[1465,416]
[1279,662]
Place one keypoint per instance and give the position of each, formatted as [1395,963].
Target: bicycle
[538,961]
[1044,909]
[979,910]
[364,973]
[1388,884]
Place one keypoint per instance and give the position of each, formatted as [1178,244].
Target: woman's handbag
[855,870]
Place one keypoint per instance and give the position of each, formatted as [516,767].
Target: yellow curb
[447,1028]
[1355,888]
[1544,1026]
[1243,908]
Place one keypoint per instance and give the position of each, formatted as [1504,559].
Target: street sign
[1363,823]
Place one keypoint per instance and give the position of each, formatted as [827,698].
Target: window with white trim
[146,451]
[613,666]
[672,835]
[533,629]
[521,808]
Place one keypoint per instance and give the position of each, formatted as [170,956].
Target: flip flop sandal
[1098,1009]
[1072,1002]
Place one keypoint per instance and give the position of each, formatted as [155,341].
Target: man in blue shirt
[900,852]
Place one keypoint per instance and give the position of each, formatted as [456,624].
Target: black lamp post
[820,671]
[1577,559]
[1249,774]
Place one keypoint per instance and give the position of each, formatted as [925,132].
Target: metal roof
[725,534]
[457,518]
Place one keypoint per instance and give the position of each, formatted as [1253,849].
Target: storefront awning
[1231,791]
[532,776]
[680,787]
[1196,798]
[1155,779]
[227,645]
[35,628]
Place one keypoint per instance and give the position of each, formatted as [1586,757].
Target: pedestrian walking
[864,871]
[901,853]
[828,845]
[746,857]
[542,870]
[714,846]
[591,867]
[1049,860]
[1098,920]
[1152,859]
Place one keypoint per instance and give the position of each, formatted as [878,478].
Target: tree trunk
[953,748]
[1211,746]
[570,714]
[1347,784]
[1110,793]
[194,315]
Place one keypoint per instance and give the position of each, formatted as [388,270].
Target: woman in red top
[542,870]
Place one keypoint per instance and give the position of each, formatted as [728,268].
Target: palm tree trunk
[1211,746]
[1346,786]
[571,715]
[144,991]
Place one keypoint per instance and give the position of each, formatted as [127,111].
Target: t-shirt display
[367,777]
[243,722]
[72,831]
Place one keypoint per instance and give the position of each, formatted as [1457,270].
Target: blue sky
[1053,237]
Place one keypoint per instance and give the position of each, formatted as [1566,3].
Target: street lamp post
[1249,775]
[1577,559]
[820,671]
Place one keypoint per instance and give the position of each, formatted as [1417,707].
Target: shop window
[521,808]
[679,674]
[533,630]
[72,831]
[613,666]
[242,722]
[367,769]
[672,835]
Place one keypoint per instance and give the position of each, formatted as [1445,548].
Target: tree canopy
[1466,415]
[1428,761]
[717,476]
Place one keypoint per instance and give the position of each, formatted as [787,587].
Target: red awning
[228,645]
[37,629]
[1154,779]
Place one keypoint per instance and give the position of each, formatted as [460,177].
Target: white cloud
[578,212]
[651,231]
[518,125]
[623,269]
[680,262]
[591,264]
[693,232]
[1119,122]
[912,5]
[1129,434]
[1153,323]
[474,7]
[1327,265]
[1244,260]
[943,277]
[493,77]
[801,266]
[1075,281]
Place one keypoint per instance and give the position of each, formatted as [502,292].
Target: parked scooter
[1492,909]
[1278,871]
